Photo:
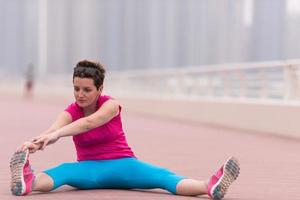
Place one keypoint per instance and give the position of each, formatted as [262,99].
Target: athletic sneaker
[22,176]
[219,182]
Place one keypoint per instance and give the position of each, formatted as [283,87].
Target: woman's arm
[62,119]
[108,110]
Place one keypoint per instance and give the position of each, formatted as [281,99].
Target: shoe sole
[231,171]
[17,164]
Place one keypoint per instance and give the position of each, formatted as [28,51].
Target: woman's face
[85,92]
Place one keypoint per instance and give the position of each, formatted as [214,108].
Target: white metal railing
[279,80]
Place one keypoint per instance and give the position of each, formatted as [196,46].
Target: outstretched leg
[191,187]
[43,183]
[126,173]
[217,185]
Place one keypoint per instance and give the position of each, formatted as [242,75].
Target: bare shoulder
[64,117]
[113,101]
[111,104]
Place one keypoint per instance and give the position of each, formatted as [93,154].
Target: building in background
[131,34]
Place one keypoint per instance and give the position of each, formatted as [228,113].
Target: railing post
[210,87]
[243,87]
[291,82]
[225,81]
[264,84]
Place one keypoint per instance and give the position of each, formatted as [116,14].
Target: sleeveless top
[104,142]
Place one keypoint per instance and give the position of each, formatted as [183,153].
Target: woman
[104,158]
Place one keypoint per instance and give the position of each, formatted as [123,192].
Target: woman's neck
[90,109]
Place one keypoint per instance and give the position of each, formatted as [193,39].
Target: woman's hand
[30,146]
[46,139]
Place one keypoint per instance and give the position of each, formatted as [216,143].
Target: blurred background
[230,50]
[133,34]
[198,80]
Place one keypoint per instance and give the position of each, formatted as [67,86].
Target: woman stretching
[104,158]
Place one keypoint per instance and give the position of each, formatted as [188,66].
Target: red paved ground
[269,165]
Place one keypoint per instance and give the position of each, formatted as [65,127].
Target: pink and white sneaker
[221,180]
[22,176]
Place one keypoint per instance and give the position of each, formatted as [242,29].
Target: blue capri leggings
[123,173]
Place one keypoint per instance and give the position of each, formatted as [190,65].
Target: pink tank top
[104,142]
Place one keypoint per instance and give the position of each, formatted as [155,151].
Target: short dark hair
[89,69]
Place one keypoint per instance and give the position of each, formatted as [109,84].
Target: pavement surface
[270,166]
